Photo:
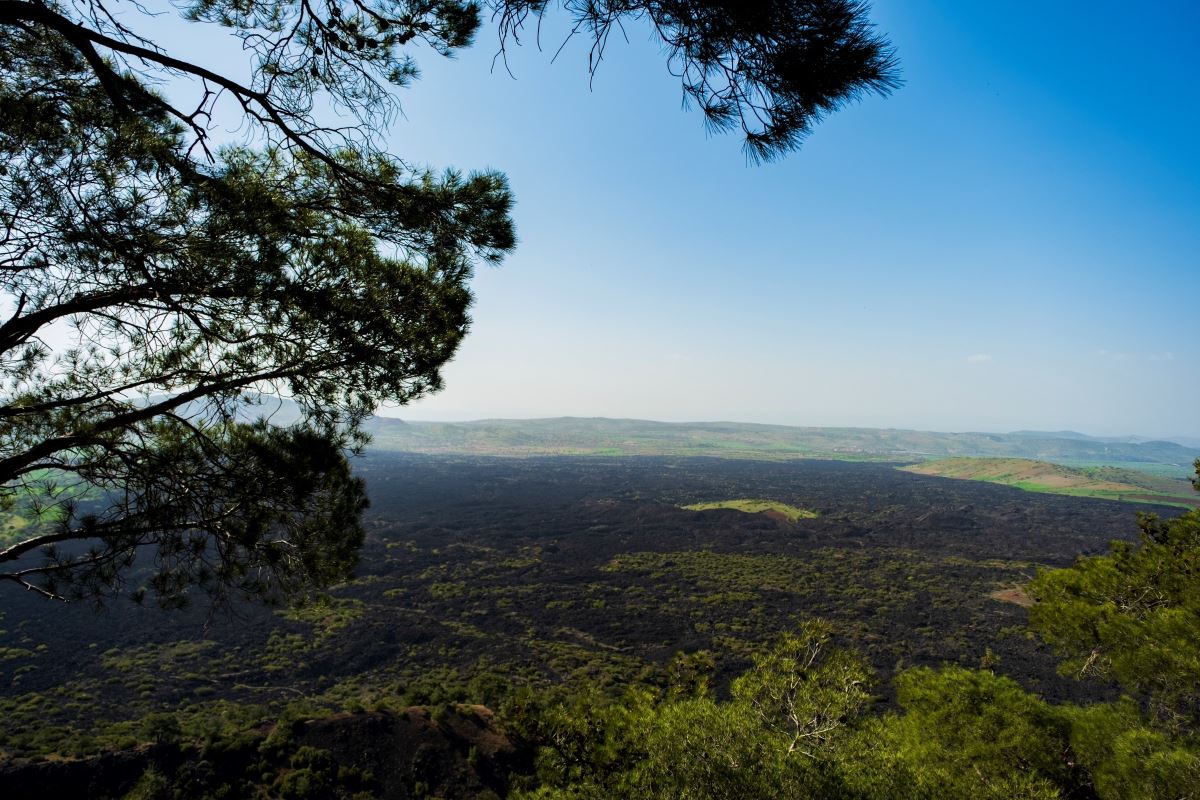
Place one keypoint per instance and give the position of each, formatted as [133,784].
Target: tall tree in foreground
[1133,616]
[156,285]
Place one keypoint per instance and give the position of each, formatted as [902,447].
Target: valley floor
[481,574]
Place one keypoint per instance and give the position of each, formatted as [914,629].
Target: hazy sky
[1012,240]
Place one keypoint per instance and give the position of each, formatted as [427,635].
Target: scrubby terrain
[483,578]
[485,573]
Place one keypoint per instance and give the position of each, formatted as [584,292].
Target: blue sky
[1012,240]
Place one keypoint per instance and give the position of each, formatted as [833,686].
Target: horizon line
[1171,439]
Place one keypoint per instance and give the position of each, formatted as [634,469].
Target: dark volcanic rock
[962,518]
[458,753]
[108,775]
[453,753]
[537,571]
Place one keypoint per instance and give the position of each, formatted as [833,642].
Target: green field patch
[328,614]
[149,663]
[774,507]
[1098,481]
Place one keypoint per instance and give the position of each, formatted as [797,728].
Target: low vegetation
[1108,482]
[632,648]
[801,721]
[772,508]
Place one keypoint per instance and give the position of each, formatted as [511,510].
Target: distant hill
[1113,483]
[606,436]
[1185,441]
[618,437]
[1054,434]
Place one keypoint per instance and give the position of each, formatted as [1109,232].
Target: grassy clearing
[1136,470]
[1105,482]
[791,513]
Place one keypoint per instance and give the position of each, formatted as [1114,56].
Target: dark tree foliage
[1133,615]
[771,69]
[158,284]
[154,295]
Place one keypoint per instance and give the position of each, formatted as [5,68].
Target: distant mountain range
[1186,441]
[615,437]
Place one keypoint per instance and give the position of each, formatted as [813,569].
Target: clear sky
[1012,240]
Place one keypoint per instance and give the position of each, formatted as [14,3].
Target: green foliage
[697,748]
[1127,758]
[1133,615]
[804,689]
[194,287]
[690,674]
[769,741]
[963,734]
[327,614]
[152,785]
[161,728]
[794,728]
[791,513]
[798,723]
[313,774]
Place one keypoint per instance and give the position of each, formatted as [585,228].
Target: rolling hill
[622,437]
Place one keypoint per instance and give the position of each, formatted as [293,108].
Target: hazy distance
[991,248]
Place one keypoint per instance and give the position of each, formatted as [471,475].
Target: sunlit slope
[773,508]
[1114,483]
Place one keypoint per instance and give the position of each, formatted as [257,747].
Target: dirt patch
[1158,498]
[1015,595]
